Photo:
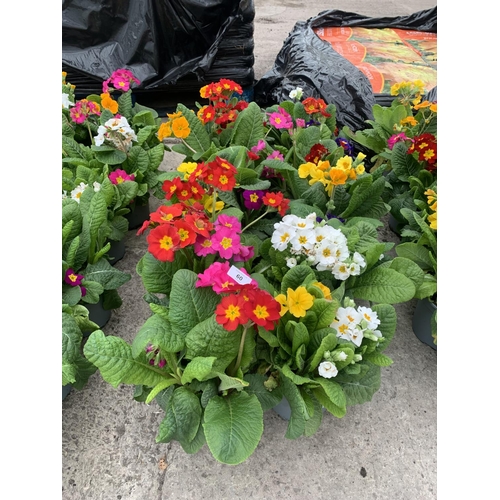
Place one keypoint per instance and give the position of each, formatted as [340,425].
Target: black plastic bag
[308,62]
[159,41]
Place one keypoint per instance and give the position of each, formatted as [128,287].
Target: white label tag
[239,276]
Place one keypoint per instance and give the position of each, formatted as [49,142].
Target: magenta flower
[119,176]
[275,155]
[227,242]
[82,110]
[397,138]
[121,80]
[203,246]
[72,278]
[253,199]
[301,123]
[214,276]
[246,253]
[229,221]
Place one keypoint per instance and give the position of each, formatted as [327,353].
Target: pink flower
[227,242]
[203,246]
[229,221]
[119,176]
[245,254]
[275,155]
[259,147]
[397,138]
[83,109]
[281,119]
[301,123]
[121,80]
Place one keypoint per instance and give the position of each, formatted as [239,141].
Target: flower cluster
[117,132]
[83,109]
[318,244]
[77,192]
[176,125]
[243,302]
[331,175]
[120,79]
[425,148]
[432,202]
[223,107]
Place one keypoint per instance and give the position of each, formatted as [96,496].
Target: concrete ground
[385,449]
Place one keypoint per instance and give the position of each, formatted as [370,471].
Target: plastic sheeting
[159,41]
[311,63]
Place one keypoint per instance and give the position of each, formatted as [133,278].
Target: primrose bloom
[119,176]
[77,192]
[296,93]
[281,119]
[253,199]
[354,324]
[66,103]
[401,137]
[327,369]
[83,109]
[72,278]
[118,132]
[121,80]
[299,301]
[230,313]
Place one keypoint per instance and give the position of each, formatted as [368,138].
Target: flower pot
[283,409]
[116,252]
[422,322]
[66,389]
[395,225]
[137,215]
[97,314]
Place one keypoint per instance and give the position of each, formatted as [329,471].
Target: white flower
[341,271]
[77,192]
[346,324]
[370,317]
[342,356]
[64,195]
[327,369]
[96,186]
[303,240]
[291,262]
[359,259]
[381,256]
[281,237]
[296,93]
[66,103]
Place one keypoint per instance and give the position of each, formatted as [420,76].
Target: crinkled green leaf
[158,331]
[268,399]
[198,368]
[248,127]
[107,275]
[362,389]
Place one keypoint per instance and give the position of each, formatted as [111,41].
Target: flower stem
[214,203]
[240,352]
[90,133]
[188,146]
[257,219]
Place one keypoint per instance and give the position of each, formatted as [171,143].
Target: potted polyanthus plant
[243,317]
[115,138]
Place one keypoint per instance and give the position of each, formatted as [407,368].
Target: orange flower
[107,102]
[164,131]
[180,127]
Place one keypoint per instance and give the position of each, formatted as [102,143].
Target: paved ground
[385,449]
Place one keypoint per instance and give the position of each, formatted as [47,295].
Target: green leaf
[377,358]
[416,253]
[327,344]
[109,155]
[113,357]
[164,384]
[296,277]
[248,127]
[233,426]
[182,419]
[296,379]
[158,331]
[208,338]
[362,390]
[268,399]
[198,368]
[326,402]
[381,285]
[314,422]
[106,275]
[228,382]
[157,276]
[298,410]
[198,138]
[189,306]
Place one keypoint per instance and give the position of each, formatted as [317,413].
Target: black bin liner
[308,62]
[161,41]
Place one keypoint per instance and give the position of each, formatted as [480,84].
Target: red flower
[252,156]
[317,152]
[187,235]
[163,240]
[272,199]
[263,309]
[199,223]
[166,213]
[171,187]
[223,179]
[230,313]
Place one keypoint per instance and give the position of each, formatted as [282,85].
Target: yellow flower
[199,114]
[299,301]
[409,120]
[434,107]
[175,115]
[326,291]
[281,298]
[360,169]
[432,220]
[305,169]
[180,127]
[188,168]
[324,165]
[344,163]
[207,202]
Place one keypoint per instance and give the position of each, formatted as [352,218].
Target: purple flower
[348,147]
[72,278]
[275,155]
[253,199]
